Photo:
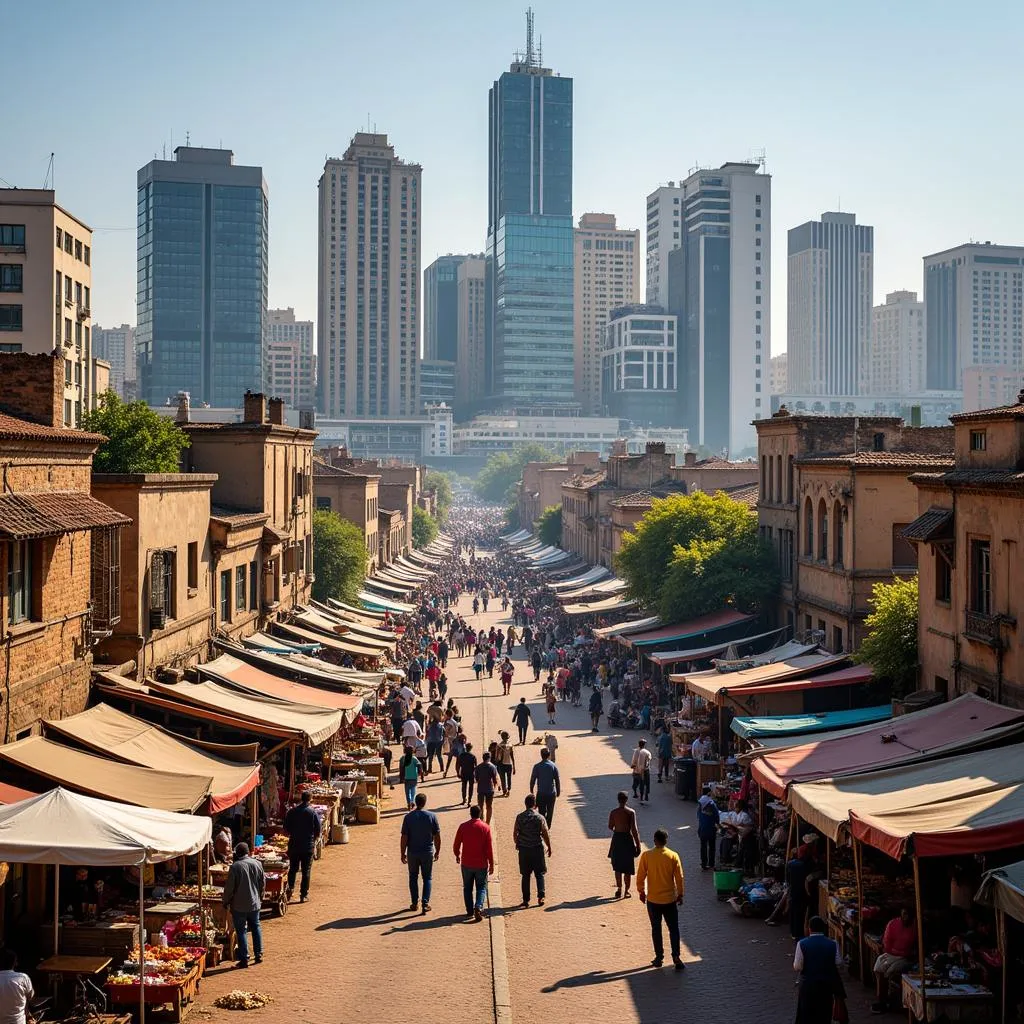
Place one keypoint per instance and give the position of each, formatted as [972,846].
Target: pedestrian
[442,685]
[818,959]
[486,779]
[707,828]
[596,708]
[665,753]
[550,704]
[410,767]
[16,992]
[522,718]
[474,851]
[491,652]
[641,765]
[659,881]
[535,664]
[420,846]
[507,669]
[478,663]
[551,742]
[456,748]
[625,844]
[544,778]
[465,768]
[435,741]
[505,762]
[302,824]
[411,731]
[243,896]
[530,835]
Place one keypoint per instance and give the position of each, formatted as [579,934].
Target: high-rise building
[778,374]
[830,291]
[988,387]
[470,364]
[664,233]
[289,359]
[973,310]
[116,345]
[897,345]
[369,284]
[441,308]
[202,277]
[529,235]
[606,262]
[46,288]
[720,288]
[437,382]
[640,365]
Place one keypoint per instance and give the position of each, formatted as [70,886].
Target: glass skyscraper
[529,351]
[201,278]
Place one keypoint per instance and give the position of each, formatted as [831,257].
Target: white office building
[897,345]
[639,366]
[664,233]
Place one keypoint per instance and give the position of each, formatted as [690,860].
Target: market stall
[625,627]
[375,602]
[371,618]
[789,726]
[607,606]
[1003,889]
[691,630]
[304,668]
[695,654]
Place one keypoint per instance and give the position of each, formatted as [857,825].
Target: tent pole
[142,942]
[1001,923]
[860,906]
[920,937]
[56,909]
[199,880]
[291,772]
[760,829]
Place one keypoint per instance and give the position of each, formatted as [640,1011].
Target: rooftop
[879,460]
[14,429]
[29,515]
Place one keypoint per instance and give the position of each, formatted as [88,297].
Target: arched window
[839,535]
[822,530]
[789,482]
[808,529]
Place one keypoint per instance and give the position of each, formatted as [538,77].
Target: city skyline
[97,181]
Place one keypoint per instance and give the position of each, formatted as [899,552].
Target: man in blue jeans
[421,846]
[474,850]
[546,785]
[243,896]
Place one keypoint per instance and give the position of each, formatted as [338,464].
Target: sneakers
[478,914]
[540,902]
[258,960]
[678,964]
[414,906]
[426,908]
[241,965]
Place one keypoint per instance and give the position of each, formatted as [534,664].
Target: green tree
[495,481]
[138,439]
[441,485]
[890,647]
[549,526]
[339,556]
[424,527]
[512,516]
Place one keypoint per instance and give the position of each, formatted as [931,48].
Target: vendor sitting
[899,951]
[222,845]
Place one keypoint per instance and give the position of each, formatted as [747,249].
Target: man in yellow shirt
[659,881]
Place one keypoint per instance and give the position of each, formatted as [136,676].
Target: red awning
[682,630]
[844,677]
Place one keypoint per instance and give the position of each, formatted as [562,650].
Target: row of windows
[71,245]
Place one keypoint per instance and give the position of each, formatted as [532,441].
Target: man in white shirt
[15,990]
[411,732]
[408,695]
[701,748]
[641,765]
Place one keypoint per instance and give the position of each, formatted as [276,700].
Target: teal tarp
[796,725]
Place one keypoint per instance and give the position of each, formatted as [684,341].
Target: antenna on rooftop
[529,37]
[188,136]
[48,181]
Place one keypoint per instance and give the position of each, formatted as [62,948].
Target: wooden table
[709,771]
[170,910]
[954,1002]
[75,967]
[108,938]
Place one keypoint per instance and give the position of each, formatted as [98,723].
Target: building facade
[664,234]
[202,271]
[606,275]
[116,346]
[540,486]
[778,374]
[720,288]
[368,318]
[529,309]
[441,307]
[289,358]
[353,496]
[471,355]
[830,288]
[437,382]
[989,387]
[639,366]
[974,310]
[897,345]
[46,289]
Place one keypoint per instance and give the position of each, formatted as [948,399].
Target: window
[839,533]
[941,686]
[19,581]
[808,530]
[786,554]
[241,590]
[161,588]
[11,275]
[10,318]
[837,639]
[904,554]
[789,482]
[766,482]
[943,579]
[106,579]
[822,530]
[60,239]
[12,237]
[225,595]
[878,442]
[981,577]
[979,441]
[323,502]
[193,565]
[254,594]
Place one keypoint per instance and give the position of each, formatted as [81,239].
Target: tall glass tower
[529,350]
[202,263]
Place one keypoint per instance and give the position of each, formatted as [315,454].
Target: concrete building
[989,387]
[471,358]
[540,486]
[830,291]
[664,234]
[720,287]
[405,437]
[352,495]
[897,346]
[606,276]
[969,532]
[368,318]
[116,346]
[713,474]
[530,236]
[46,289]
[289,358]
[929,408]
[437,382]
[441,307]
[834,499]
[202,266]
[639,366]
[778,374]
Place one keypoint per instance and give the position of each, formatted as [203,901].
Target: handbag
[840,1013]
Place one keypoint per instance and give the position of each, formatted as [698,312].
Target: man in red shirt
[475,852]
[899,954]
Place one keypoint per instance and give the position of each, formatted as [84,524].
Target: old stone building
[353,496]
[713,474]
[541,484]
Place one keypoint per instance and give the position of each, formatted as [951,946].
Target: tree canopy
[890,647]
[495,481]
[424,527]
[441,485]
[549,526]
[339,556]
[694,554]
[139,440]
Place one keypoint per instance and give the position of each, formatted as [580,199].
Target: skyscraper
[202,277]
[897,345]
[368,318]
[720,288]
[530,235]
[830,292]
[606,262]
[289,360]
[441,308]
[470,375]
[117,346]
[973,310]
[664,233]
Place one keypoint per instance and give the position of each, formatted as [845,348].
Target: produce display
[191,892]
[165,965]
[238,999]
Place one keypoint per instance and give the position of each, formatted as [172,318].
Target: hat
[810,837]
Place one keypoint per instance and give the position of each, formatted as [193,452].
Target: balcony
[979,626]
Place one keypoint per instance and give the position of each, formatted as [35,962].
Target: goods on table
[165,965]
[241,1000]
[191,892]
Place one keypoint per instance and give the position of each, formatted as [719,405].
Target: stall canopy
[966,722]
[353,624]
[295,631]
[12,794]
[516,537]
[278,645]
[389,587]
[700,653]
[297,665]
[611,604]
[1003,888]
[606,588]
[626,627]
[362,614]
[800,725]
[327,622]
[685,630]
[114,734]
[592,575]
[715,686]
[96,776]
[61,827]
[375,601]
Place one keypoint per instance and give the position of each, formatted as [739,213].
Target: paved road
[356,953]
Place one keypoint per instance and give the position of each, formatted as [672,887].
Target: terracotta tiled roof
[1002,412]
[934,524]
[745,495]
[880,460]
[639,499]
[238,519]
[716,462]
[14,429]
[28,515]
[998,477]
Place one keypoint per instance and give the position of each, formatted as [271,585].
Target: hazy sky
[906,113]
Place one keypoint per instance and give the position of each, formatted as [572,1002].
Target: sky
[905,113]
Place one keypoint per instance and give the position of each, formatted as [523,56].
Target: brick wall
[33,387]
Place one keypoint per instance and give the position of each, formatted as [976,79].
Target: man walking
[544,779]
[521,718]
[596,708]
[303,827]
[474,851]
[420,846]
[659,881]
[486,779]
[665,754]
[641,765]
[243,896]
[707,828]
[625,844]
[530,834]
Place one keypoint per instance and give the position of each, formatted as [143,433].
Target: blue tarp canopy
[796,725]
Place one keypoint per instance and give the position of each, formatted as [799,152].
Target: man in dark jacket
[303,827]
[243,896]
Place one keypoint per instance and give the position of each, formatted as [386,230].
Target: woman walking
[505,762]
[625,844]
[817,959]
[410,777]
[478,663]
